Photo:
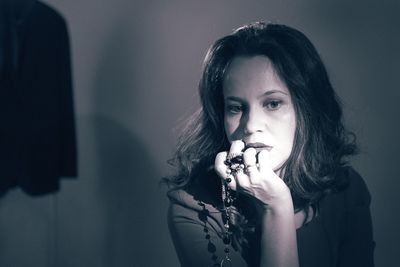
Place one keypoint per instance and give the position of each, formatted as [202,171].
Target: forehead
[252,74]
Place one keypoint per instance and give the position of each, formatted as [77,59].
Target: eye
[234,108]
[273,104]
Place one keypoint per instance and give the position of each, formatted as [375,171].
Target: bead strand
[227,201]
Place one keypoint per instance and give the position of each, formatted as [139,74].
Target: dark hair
[321,142]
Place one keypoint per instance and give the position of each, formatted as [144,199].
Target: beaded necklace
[227,200]
[235,164]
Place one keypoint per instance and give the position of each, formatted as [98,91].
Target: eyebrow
[235,98]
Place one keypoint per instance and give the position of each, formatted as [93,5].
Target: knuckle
[221,155]
[252,169]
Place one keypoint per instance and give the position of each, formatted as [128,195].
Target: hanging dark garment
[37,127]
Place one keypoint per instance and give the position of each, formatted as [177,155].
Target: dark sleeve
[357,247]
[194,248]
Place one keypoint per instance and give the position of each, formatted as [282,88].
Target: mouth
[258,146]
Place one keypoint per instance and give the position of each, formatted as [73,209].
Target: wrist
[281,201]
[279,207]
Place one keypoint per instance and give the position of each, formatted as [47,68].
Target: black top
[340,235]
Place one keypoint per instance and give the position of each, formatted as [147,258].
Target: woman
[262,177]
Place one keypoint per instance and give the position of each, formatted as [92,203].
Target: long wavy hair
[321,142]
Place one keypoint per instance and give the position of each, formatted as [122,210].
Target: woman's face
[258,108]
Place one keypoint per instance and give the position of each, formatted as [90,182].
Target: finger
[264,163]
[250,162]
[219,164]
[224,171]
[237,147]
[242,181]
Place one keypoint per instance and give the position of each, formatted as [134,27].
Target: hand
[257,180]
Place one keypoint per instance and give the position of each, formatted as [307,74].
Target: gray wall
[136,65]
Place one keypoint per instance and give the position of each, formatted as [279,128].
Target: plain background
[136,65]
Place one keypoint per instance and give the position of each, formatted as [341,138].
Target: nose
[253,122]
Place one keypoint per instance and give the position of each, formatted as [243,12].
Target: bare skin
[259,113]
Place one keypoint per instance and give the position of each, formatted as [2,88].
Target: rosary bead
[226,239]
[211,247]
[237,160]
[203,215]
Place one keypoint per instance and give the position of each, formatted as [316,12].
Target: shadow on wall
[128,182]
[128,193]
[112,217]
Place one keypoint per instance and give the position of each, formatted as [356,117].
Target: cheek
[291,131]
[284,133]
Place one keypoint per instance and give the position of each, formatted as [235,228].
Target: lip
[258,146]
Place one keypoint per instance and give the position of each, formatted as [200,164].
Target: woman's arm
[278,236]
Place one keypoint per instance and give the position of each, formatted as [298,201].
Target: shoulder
[350,222]
[356,192]
[195,192]
[343,208]
[184,200]
[352,192]
[202,189]
[336,208]
[186,207]
[352,195]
